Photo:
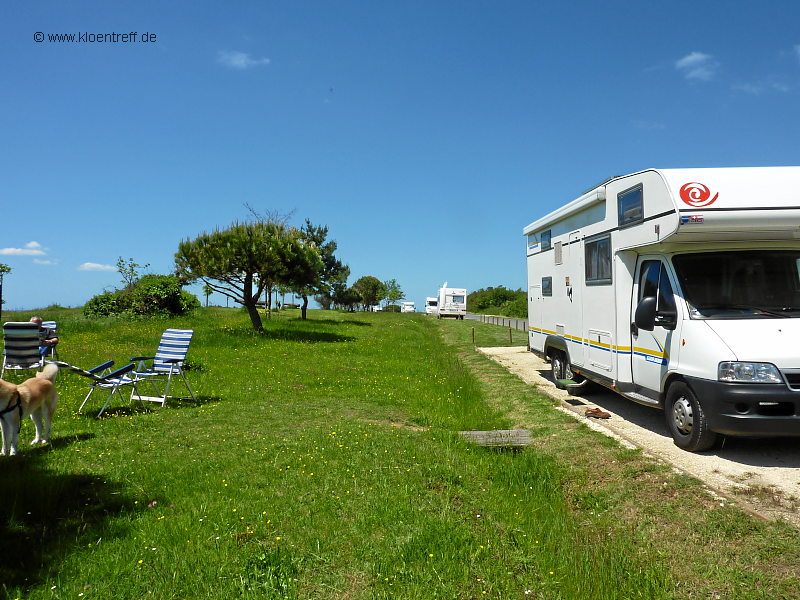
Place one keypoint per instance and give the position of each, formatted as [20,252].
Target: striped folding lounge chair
[104,379]
[21,347]
[166,364]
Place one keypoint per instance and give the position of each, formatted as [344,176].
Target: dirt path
[763,475]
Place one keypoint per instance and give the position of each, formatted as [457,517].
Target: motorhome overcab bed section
[677,289]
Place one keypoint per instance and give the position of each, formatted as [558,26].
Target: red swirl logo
[696,194]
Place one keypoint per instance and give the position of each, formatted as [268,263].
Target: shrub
[102,305]
[159,295]
[499,301]
[152,295]
[518,307]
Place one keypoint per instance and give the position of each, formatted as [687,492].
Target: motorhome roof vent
[601,184]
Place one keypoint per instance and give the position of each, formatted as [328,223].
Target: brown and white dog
[35,397]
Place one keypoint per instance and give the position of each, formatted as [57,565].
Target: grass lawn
[321,460]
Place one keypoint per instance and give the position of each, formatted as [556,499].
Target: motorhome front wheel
[686,420]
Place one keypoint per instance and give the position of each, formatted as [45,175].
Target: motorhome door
[653,345]
[573,284]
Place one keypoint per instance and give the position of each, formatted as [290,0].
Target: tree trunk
[304,307]
[255,318]
[249,302]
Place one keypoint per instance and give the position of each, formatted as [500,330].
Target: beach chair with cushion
[104,379]
[21,347]
[164,366]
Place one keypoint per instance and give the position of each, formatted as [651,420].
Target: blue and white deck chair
[102,379]
[21,347]
[166,364]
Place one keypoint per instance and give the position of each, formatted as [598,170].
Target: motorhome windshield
[740,284]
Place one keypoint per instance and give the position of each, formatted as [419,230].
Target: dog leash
[10,408]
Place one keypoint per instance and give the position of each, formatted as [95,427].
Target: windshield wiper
[757,309]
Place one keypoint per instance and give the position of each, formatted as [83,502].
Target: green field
[321,460]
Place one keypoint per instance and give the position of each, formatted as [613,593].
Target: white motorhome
[679,289]
[452,302]
[431,305]
[408,307]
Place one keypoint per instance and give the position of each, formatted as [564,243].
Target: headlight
[749,372]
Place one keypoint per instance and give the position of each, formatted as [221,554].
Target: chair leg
[108,399]
[91,389]
[166,389]
[138,394]
[188,387]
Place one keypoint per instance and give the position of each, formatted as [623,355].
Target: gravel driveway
[762,475]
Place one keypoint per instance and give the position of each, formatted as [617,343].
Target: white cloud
[749,88]
[90,266]
[697,65]
[239,60]
[762,87]
[30,249]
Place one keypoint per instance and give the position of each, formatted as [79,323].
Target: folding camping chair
[106,380]
[167,362]
[21,347]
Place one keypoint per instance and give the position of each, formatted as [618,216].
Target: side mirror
[645,316]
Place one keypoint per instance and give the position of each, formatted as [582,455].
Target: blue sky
[425,134]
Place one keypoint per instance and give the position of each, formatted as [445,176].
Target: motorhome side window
[545,238]
[598,260]
[630,205]
[547,286]
[654,283]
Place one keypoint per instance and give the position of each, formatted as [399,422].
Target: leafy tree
[304,268]
[238,262]
[333,271]
[347,298]
[4,269]
[129,270]
[393,292]
[333,297]
[371,289]
[207,291]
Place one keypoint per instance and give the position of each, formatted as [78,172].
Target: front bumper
[759,410]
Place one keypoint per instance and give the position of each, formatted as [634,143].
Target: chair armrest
[173,360]
[119,372]
[137,358]
[99,368]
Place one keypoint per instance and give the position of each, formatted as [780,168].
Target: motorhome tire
[686,420]
[561,369]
